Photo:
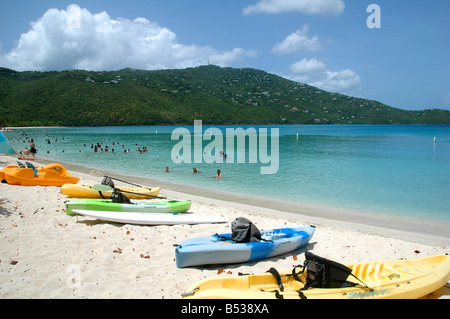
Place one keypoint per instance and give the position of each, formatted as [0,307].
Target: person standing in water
[33,148]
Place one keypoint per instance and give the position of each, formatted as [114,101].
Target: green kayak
[141,206]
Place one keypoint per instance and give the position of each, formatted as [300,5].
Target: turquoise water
[393,170]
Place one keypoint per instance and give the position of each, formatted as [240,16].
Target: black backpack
[244,231]
[119,197]
[108,181]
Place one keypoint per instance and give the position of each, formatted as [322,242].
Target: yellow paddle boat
[48,175]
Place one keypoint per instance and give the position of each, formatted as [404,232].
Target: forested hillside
[209,93]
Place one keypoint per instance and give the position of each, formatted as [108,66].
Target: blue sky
[325,43]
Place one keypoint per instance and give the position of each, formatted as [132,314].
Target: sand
[45,253]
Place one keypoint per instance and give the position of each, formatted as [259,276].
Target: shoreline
[47,254]
[422,231]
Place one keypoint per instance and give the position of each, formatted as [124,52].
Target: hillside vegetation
[209,93]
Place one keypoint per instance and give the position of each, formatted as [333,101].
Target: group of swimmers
[99,147]
[195,171]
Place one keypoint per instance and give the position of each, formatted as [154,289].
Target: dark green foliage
[209,93]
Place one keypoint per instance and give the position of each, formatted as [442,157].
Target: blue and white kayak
[217,249]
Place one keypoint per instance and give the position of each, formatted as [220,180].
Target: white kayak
[150,218]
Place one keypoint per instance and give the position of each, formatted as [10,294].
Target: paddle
[105,188]
[101,187]
[100,174]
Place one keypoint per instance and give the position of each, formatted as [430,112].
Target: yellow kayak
[84,191]
[395,279]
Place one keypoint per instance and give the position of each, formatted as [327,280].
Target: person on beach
[32,148]
[25,152]
[218,175]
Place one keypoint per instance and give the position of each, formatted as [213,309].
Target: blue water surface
[396,170]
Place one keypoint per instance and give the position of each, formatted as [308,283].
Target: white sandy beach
[48,254]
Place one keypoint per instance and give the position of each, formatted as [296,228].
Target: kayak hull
[137,205]
[11,169]
[84,191]
[389,279]
[137,218]
[215,250]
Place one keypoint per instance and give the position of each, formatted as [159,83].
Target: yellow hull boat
[8,169]
[84,191]
[394,279]
[49,175]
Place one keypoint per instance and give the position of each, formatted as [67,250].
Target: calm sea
[382,169]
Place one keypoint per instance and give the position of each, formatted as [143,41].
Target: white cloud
[333,7]
[316,73]
[298,41]
[308,67]
[77,39]
[226,58]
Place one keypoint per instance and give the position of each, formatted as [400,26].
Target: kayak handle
[190,293]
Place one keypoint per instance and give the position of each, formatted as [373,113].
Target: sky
[393,51]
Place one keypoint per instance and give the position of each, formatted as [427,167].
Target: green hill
[209,93]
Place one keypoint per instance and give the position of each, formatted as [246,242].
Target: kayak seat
[20,164]
[119,197]
[29,165]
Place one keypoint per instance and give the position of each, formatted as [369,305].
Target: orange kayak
[49,175]
[13,169]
